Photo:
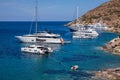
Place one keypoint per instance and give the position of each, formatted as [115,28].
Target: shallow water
[15,65]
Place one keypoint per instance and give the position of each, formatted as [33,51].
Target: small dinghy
[37,49]
[75,67]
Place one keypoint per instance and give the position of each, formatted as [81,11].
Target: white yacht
[86,33]
[75,27]
[36,49]
[44,36]
[100,26]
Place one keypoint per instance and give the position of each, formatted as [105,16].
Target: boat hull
[25,39]
[85,34]
[35,50]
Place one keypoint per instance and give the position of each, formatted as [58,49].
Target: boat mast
[36,16]
[77,14]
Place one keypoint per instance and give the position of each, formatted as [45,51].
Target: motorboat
[36,49]
[85,33]
[75,27]
[100,26]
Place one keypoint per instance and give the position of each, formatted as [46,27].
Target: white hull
[84,36]
[89,33]
[26,39]
[36,39]
[75,27]
[26,50]
[36,49]
[52,40]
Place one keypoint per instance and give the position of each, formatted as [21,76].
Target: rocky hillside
[109,12]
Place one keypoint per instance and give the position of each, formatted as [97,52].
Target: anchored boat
[43,36]
[86,33]
[36,49]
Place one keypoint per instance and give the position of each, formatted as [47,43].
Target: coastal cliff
[108,11]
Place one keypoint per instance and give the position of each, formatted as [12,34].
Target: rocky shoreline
[110,13]
[113,46]
[108,74]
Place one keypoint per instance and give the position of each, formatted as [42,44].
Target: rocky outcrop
[109,12]
[108,74]
[113,46]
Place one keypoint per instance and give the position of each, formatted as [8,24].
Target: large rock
[108,74]
[113,46]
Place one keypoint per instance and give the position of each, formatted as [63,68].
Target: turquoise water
[15,65]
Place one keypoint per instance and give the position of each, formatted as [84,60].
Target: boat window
[39,47]
[40,40]
[30,47]
[46,37]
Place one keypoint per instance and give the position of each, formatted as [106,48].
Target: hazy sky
[49,10]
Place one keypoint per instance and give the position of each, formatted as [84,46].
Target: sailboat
[43,36]
[76,26]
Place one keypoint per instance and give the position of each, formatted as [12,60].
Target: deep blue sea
[15,65]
